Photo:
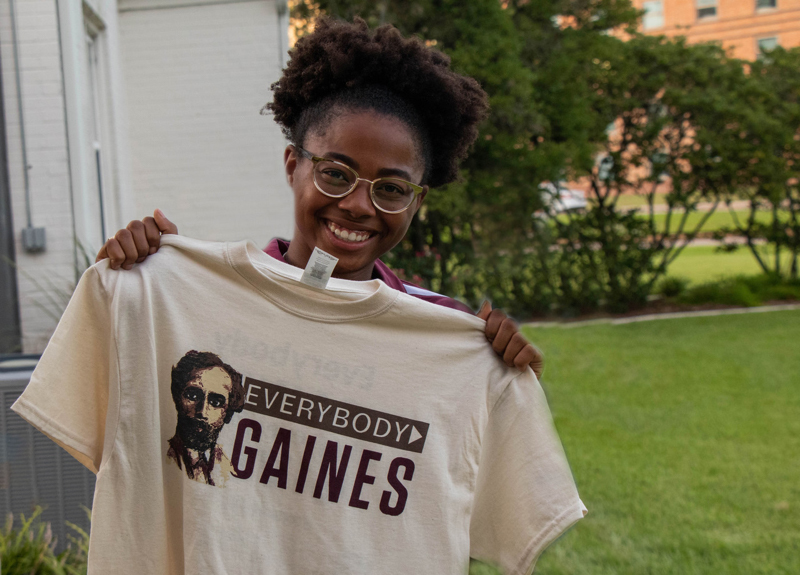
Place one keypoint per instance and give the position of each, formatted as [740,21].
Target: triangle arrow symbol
[415,435]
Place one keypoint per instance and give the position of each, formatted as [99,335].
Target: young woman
[375,120]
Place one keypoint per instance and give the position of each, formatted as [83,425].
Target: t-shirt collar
[277,249]
[342,300]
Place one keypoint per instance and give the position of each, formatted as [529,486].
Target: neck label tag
[319,269]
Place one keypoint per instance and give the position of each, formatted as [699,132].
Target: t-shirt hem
[40,421]
[546,536]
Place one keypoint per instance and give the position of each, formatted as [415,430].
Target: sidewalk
[669,315]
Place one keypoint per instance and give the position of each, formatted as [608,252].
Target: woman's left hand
[506,339]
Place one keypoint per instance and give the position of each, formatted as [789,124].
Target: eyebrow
[382,173]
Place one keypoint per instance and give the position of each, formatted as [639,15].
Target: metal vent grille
[35,471]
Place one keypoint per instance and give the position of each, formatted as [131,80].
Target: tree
[765,153]
[566,90]
[670,108]
[522,55]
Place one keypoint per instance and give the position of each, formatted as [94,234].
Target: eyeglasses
[336,180]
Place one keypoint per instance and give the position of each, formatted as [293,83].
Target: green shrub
[725,292]
[29,549]
[672,286]
[744,291]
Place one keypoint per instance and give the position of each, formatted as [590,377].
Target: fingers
[508,342]
[130,253]
[493,320]
[113,251]
[139,238]
[537,364]
[164,225]
[514,349]
[486,309]
[102,254]
[152,234]
[530,355]
[499,330]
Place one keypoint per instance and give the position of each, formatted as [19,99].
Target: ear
[290,163]
[420,198]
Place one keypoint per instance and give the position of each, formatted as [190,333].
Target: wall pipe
[26,167]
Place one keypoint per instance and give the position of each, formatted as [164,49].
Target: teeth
[346,235]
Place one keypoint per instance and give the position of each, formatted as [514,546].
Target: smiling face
[202,408]
[375,146]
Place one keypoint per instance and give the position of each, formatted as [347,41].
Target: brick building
[748,27]
[111,108]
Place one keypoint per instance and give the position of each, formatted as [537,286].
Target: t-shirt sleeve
[525,495]
[67,398]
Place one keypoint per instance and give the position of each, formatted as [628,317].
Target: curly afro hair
[343,67]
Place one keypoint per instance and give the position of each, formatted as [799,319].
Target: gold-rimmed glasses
[336,180]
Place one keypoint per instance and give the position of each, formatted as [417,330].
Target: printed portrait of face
[202,408]
[207,392]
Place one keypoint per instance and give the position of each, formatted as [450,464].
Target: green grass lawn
[721,218]
[684,439]
[704,263]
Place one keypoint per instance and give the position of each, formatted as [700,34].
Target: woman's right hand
[132,244]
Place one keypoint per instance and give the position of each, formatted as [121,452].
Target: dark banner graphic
[334,416]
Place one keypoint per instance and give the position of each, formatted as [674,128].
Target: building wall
[130,105]
[738,24]
[41,276]
[197,76]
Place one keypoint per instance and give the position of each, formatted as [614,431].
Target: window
[653,14]
[762,4]
[706,9]
[93,127]
[92,162]
[765,45]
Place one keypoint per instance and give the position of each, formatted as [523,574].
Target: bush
[29,550]
[598,260]
[744,291]
[672,286]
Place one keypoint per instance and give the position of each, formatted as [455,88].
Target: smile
[348,235]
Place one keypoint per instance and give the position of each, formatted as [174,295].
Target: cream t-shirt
[242,422]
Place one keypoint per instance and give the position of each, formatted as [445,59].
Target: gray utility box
[33,469]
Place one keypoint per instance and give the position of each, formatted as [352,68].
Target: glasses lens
[392,195]
[334,179]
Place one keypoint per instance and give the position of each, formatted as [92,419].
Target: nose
[358,202]
[200,410]
[205,411]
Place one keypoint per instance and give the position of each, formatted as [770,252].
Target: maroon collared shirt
[277,248]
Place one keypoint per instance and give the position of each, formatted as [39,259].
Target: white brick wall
[41,277]
[185,130]
[196,77]
[186,134]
